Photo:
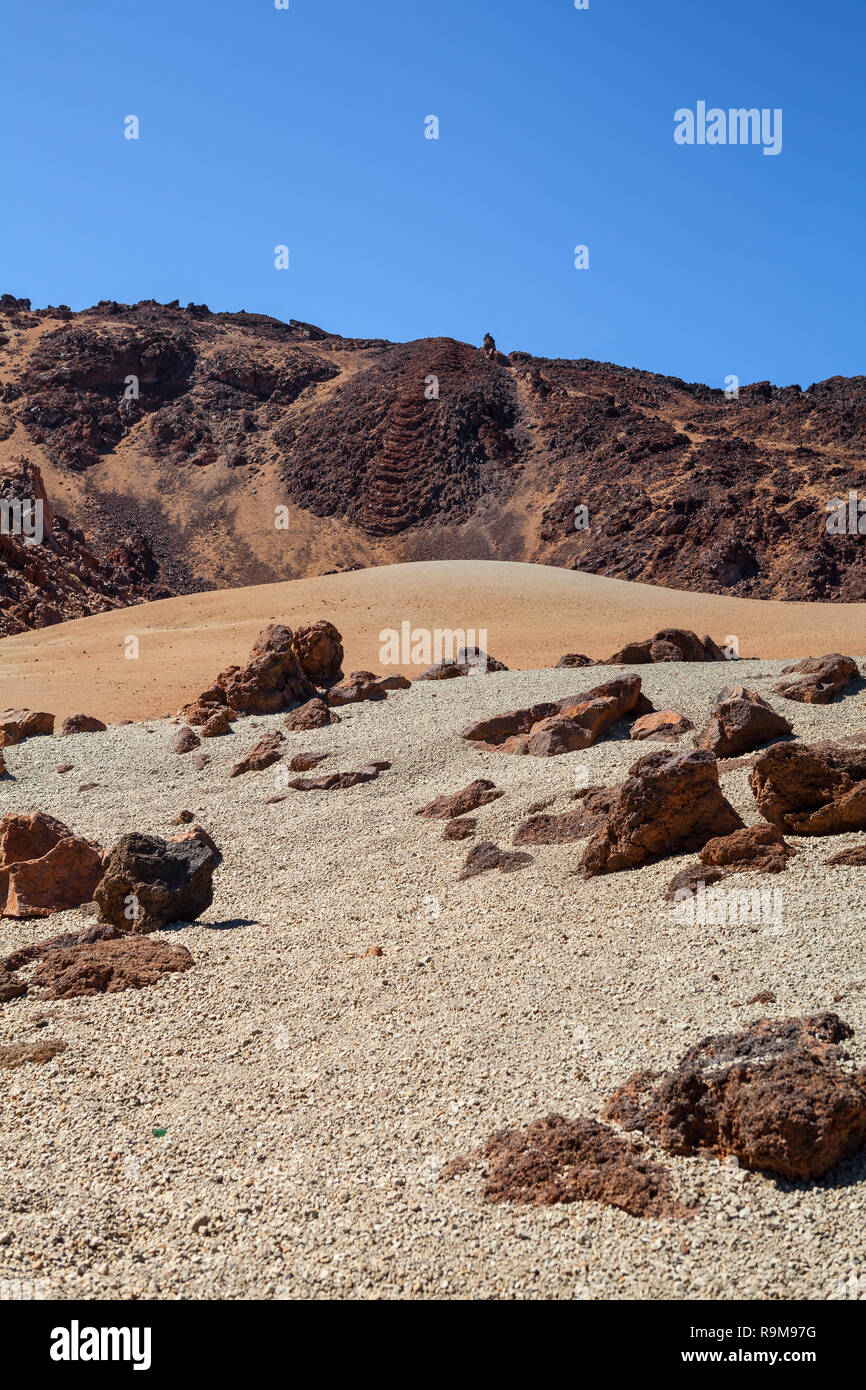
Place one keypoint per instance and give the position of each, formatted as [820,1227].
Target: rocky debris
[396,682]
[149,882]
[774,1097]
[573,659]
[184,740]
[692,880]
[443,671]
[315,714]
[450,805]
[754,849]
[211,702]
[319,650]
[84,936]
[44,867]
[671,644]
[486,856]
[811,789]
[740,721]
[561,726]
[853,857]
[357,686]
[305,762]
[272,679]
[462,829]
[18,724]
[669,803]
[216,724]
[557,1160]
[821,677]
[660,726]
[478,661]
[565,827]
[200,761]
[21,1054]
[337,781]
[82,724]
[183,818]
[107,967]
[11,987]
[268,750]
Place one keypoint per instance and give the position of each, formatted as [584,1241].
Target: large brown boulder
[757,848]
[82,724]
[149,882]
[661,726]
[357,686]
[559,726]
[44,867]
[319,649]
[18,724]
[107,967]
[669,803]
[671,644]
[774,1097]
[315,714]
[740,721]
[821,677]
[459,803]
[272,679]
[811,789]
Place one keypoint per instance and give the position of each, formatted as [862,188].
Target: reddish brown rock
[85,936]
[853,857]
[11,987]
[486,856]
[573,659]
[442,671]
[338,781]
[315,714]
[268,750]
[811,789]
[305,762]
[695,878]
[558,727]
[671,644]
[453,804]
[660,726]
[562,829]
[396,682]
[774,1097]
[108,967]
[2,764]
[149,882]
[821,677]
[44,867]
[200,761]
[754,849]
[740,721]
[82,724]
[669,803]
[200,711]
[184,740]
[18,724]
[357,686]
[462,829]
[217,725]
[468,661]
[272,679]
[319,650]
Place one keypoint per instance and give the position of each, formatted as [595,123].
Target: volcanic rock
[811,789]
[18,724]
[272,679]
[268,750]
[84,936]
[315,714]
[462,829]
[20,1054]
[337,781]
[821,677]
[357,686]
[853,857]
[486,856]
[82,724]
[184,740]
[754,849]
[44,867]
[548,828]
[574,659]
[740,721]
[149,882]
[319,650]
[671,644]
[107,967]
[305,762]
[561,726]
[217,724]
[469,798]
[660,726]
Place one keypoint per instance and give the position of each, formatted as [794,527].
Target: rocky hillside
[194,450]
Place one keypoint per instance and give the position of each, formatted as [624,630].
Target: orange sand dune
[531,614]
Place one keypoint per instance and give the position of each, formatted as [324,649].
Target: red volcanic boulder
[853,857]
[44,867]
[149,882]
[546,828]
[469,798]
[268,750]
[357,686]
[811,789]
[821,677]
[18,724]
[305,762]
[315,714]
[774,1097]
[107,967]
[184,740]
[272,678]
[561,726]
[82,724]
[659,726]
[754,849]
[337,781]
[573,659]
[671,644]
[740,721]
[668,804]
[442,671]
[319,650]
[217,724]
[486,856]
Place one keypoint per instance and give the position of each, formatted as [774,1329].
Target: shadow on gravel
[231,925]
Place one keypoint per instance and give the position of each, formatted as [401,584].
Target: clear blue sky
[306,127]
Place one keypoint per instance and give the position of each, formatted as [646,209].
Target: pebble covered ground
[271,1124]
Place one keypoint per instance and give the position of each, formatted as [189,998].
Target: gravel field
[310,1091]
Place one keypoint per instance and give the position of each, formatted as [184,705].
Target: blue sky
[305,127]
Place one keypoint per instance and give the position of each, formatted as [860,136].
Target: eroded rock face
[268,750]
[671,644]
[338,781]
[149,882]
[44,866]
[562,726]
[668,804]
[755,848]
[315,714]
[319,649]
[18,724]
[107,967]
[557,1160]
[811,789]
[821,677]
[272,679]
[660,726]
[773,1096]
[459,803]
[740,721]
[82,724]
[486,856]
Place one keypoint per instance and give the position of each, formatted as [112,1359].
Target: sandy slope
[532,614]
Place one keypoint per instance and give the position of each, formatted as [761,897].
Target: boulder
[740,721]
[44,867]
[462,829]
[272,679]
[200,711]
[669,803]
[821,677]
[561,726]
[573,659]
[811,789]
[774,1097]
[459,803]
[217,724]
[305,762]
[107,967]
[754,849]
[319,651]
[82,724]
[671,644]
[546,828]
[18,724]
[268,750]
[660,726]
[338,781]
[315,714]
[357,686]
[184,740]
[851,857]
[477,661]
[149,882]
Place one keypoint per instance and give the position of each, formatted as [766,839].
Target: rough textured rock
[469,798]
[149,882]
[217,724]
[756,848]
[462,829]
[21,1054]
[97,931]
[337,781]
[18,724]
[557,1160]
[396,682]
[357,686]
[478,661]
[547,828]
[201,710]
[853,857]
[443,671]
[671,644]
[305,762]
[11,987]
[574,659]
[774,1096]
[272,679]
[315,714]
[811,789]
[184,740]
[268,750]
[44,866]
[2,764]
[821,677]
[668,804]
[319,650]
[562,726]
[660,726]
[107,967]
[691,880]
[82,724]
[486,856]
[740,721]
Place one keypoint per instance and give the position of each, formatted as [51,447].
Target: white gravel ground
[310,1091]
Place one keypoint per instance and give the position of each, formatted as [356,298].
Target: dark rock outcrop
[319,650]
[82,724]
[820,679]
[149,882]
[268,750]
[486,856]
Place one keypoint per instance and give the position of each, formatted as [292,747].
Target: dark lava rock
[671,644]
[82,724]
[305,762]
[740,721]
[573,659]
[811,789]
[272,679]
[660,726]
[853,857]
[357,686]
[149,882]
[561,726]
[462,829]
[184,740]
